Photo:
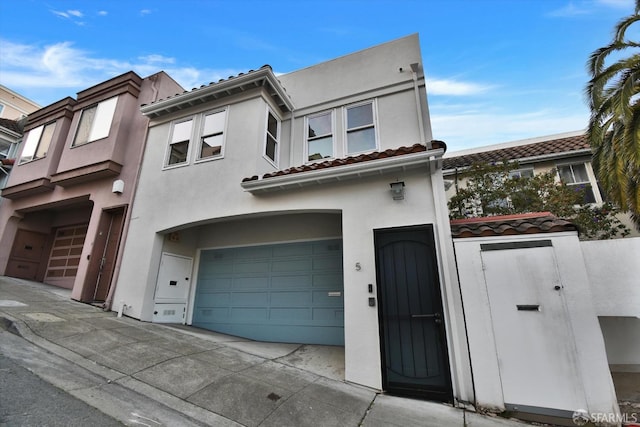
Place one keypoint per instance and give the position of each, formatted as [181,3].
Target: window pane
[321,148]
[102,120]
[84,127]
[211,146]
[319,126]
[214,123]
[31,144]
[178,152]
[270,150]
[272,126]
[361,140]
[182,131]
[566,175]
[580,173]
[45,140]
[361,115]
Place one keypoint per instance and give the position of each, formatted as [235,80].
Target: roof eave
[196,96]
[344,172]
[531,159]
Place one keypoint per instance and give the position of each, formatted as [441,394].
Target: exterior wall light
[397,190]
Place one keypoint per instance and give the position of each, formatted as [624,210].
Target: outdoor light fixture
[397,190]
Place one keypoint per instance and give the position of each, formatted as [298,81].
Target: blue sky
[497,70]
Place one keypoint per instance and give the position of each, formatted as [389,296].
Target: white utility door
[172,288]
[534,341]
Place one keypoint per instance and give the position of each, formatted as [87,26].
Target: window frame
[512,174]
[331,113]
[276,138]
[100,130]
[374,125]
[167,157]
[591,182]
[38,143]
[201,117]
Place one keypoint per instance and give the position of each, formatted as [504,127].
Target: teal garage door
[278,293]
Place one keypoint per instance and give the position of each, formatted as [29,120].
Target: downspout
[414,72]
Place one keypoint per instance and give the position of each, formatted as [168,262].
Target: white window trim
[332,112]
[374,111]
[167,154]
[595,188]
[275,161]
[200,131]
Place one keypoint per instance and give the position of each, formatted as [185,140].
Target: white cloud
[620,4]
[455,88]
[61,70]
[103,13]
[144,12]
[155,58]
[75,13]
[475,128]
[571,9]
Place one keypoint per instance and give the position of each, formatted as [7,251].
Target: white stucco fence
[613,267]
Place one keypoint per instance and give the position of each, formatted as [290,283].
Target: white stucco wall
[206,205]
[590,354]
[614,276]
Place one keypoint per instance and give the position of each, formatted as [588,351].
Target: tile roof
[578,143]
[416,148]
[538,222]
[12,125]
[228,87]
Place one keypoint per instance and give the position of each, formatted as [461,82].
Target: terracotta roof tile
[538,222]
[210,84]
[416,148]
[552,146]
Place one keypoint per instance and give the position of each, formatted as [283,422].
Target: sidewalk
[149,374]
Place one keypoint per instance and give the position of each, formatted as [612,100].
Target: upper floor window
[521,173]
[179,142]
[95,122]
[361,132]
[577,176]
[37,142]
[320,136]
[212,137]
[272,137]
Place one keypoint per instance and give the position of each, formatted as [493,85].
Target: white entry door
[172,288]
[534,340]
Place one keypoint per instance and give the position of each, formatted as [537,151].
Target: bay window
[37,142]
[95,122]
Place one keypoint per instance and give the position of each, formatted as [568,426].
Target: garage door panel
[331,298]
[283,316]
[281,292]
[327,280]
[327,263]
[251,267]
[299,264]
[328,316]
[252,299]
[260,282]
[292,250]
[248,314]
[291,281]
[289,299]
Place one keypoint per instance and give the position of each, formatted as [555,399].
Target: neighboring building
[307,207]
[568,153]
[10,137]
[14,106]
[67,198]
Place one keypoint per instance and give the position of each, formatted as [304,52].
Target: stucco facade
[67,198]
[257,182]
